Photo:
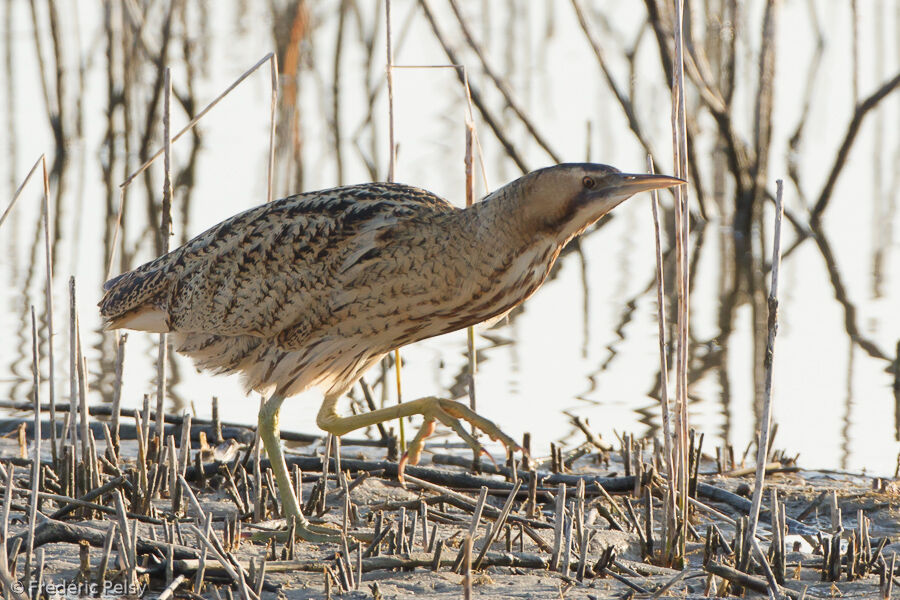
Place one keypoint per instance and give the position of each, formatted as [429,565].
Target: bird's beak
[618,187]
[630,183]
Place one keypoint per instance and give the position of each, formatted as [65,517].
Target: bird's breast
[404,293]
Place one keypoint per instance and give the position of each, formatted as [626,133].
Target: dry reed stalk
[682,232]
[498,525]
[71,436]
[336,91]
[207,544]
[765,427]
[48,262]
[81,367]
[198,579]
[117,390]
[169,592]
[558,525]
[165,231]
[36,448]
[767,569]
[392,165]
[258,500]
[663,364]
[48,287]
[467,568]
[4,526]
[470,331]
[270,176]
[104,556]
[270,58]
[476,513]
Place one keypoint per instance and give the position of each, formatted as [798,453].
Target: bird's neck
[505,219]
[508,255]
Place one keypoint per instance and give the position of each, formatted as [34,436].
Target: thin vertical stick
[48,256]
[682,229]
[390,87]
[36,446]
[72,434]
[762,444]
[391,167]
[270,181]
[104,557]
[668,525]
[198,579]
[165,230]
[82,389]
[467,568]
[498,525]
[558,526]
[661,305]
[470,332]
[117,390]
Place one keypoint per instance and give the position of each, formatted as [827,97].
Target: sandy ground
[305,578]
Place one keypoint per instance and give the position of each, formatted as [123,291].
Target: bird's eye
[587,182]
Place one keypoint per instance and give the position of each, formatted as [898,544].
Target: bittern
[314,289]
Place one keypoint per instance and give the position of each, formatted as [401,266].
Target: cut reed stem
[762,444]
[682,233]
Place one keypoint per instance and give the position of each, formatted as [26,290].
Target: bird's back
[256,270]
[266,278]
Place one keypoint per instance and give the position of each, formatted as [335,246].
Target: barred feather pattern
[313,289]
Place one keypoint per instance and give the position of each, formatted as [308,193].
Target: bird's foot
[451,413]
[310,532]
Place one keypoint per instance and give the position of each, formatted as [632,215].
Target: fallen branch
[610,484]
[742,504]
[51,532]
[756,584]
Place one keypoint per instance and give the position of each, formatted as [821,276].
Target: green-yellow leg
[448,412]
[270,434]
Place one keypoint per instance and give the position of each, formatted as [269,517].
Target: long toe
[459,411]
[317,534]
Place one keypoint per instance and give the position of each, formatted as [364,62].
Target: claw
[401,467]
[486,453]
[414,450]
[451,413]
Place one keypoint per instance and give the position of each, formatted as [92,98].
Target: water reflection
[549,83]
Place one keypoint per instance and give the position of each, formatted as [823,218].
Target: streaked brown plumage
[313,289]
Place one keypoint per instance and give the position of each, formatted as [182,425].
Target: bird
[313,289]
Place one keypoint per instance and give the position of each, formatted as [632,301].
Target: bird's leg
[448,412]
[270,434]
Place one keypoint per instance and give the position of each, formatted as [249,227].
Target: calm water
[586,343]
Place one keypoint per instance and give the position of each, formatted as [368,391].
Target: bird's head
[567,198]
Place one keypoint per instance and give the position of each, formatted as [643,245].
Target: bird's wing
[266,271]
